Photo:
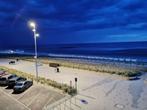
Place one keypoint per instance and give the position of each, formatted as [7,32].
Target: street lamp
[33,26]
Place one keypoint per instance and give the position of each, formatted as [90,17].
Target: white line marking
[33,99]
[15,99]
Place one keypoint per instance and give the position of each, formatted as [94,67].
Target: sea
[131,52]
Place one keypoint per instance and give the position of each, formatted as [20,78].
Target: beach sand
[96,91]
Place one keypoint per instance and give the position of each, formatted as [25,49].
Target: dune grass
[127,70]
[119,68]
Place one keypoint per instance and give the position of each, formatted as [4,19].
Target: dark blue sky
[73,21]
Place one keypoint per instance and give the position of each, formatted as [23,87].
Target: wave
[120,59]
[12,51]
[93,57]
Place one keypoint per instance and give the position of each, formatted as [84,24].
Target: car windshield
[12,76]
[2,79]
[19,84]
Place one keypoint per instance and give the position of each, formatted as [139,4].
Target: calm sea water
[125,51]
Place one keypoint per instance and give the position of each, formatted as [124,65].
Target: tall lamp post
[33,26]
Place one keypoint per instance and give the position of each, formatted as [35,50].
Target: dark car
[12,62]
[4,79]
[13,81]
[22,86]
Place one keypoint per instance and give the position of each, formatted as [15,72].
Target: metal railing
[67,103]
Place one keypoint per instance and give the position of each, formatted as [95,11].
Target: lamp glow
[37,35]
[32,24]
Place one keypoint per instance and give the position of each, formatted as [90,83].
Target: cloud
[129,36]
[68,16]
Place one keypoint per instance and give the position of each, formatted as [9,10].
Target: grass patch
[122,69]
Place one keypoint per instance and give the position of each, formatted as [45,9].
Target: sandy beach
[100,91]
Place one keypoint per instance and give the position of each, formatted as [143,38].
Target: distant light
[11,51]
[37,35]
[32,24]
[34,30]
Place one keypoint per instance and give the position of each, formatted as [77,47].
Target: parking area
[35,98]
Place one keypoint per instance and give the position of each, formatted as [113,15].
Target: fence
[67,103]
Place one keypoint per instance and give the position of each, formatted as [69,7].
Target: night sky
[73,21]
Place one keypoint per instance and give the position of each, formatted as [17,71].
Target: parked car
[3,73]
[22,86]
[4,79]
[13,81]
[12,62]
